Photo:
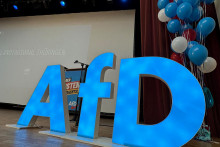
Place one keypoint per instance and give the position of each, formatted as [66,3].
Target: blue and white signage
[180,126]
[72,87]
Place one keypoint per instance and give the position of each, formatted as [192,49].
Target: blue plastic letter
[92,91]
[52,83]
[186,115]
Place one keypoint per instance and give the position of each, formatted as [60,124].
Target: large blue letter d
[188,104]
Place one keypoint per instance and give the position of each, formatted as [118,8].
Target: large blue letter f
[92,91]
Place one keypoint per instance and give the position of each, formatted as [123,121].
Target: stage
[30,137]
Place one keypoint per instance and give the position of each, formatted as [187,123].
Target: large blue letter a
[51,84]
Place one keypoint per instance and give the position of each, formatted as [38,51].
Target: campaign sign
[72,86]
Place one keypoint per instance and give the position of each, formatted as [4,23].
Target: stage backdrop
[29,44]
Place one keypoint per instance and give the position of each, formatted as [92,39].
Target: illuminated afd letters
[52,83]
[182,123]
[186,115]
[92,91]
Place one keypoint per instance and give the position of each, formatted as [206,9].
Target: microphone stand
[79,99]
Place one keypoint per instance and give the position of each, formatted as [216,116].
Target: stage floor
[10,137]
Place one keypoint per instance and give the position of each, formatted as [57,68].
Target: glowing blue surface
[91,91]
[55,108]
[62,3]
[186,115]
[15,7]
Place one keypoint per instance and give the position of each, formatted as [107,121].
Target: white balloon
[179,44]
[209,65]
[162,16]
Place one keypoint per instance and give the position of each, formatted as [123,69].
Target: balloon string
[169,35]
[195,72]
[184,58]
[187,35]
[203,79]
[203,42]
[202,74]
[199,76]
[191,67]
[176,35]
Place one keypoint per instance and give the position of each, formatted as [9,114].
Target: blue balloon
[174,26]
[184,10]
[162,3]
[190,45]
[198,3]
[187,20]
[196,14]
[185,27]
[205,26]
[170,9]
[179,2]
[208,1]
[198,54]
[192,2]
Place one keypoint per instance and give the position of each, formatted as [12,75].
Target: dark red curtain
[155,41]
[212,80]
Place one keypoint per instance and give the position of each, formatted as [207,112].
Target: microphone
[76,61]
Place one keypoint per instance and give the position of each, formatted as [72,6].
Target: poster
[72,86]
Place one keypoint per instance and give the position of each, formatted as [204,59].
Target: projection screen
[29,44]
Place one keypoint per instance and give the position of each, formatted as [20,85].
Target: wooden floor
[10,137]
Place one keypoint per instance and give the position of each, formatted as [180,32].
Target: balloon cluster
[186,18]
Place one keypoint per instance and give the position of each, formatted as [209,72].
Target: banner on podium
[72,86]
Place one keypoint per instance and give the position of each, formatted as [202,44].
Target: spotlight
[62,3]
[124,1]
[15,7]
